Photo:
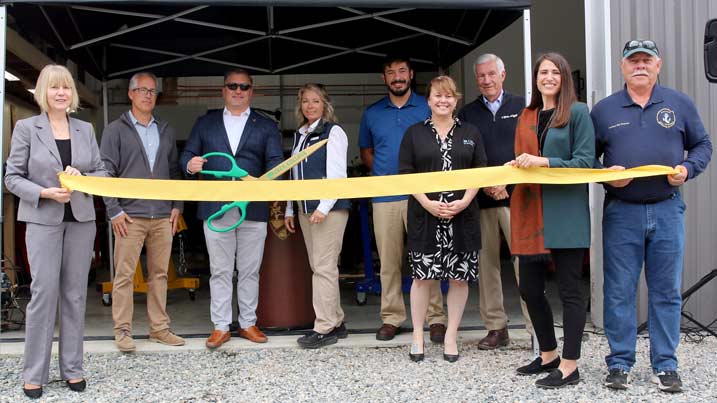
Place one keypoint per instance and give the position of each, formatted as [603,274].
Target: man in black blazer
[495,112]
[255,143]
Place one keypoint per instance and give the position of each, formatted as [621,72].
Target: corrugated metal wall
[677,26]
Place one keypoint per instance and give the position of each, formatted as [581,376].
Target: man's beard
[399,93]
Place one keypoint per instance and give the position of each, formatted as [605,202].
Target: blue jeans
[632,234]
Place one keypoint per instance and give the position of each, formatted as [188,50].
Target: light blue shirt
[150,138]
[495,105]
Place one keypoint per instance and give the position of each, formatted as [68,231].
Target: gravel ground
[359,374]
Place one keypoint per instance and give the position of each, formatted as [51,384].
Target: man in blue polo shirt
[643,219]
[382,127]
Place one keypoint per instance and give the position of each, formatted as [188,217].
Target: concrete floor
[191,318]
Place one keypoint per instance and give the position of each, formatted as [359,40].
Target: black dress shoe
[555,380]
[317,340]
[416,357]
[537,367]
[77,386]
[451,357]
[32,393]
[341,331]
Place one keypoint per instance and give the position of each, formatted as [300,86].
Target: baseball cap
[639,45]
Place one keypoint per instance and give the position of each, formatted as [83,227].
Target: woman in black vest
[443,227]
[322,221]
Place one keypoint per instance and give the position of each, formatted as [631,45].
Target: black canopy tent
[114,39]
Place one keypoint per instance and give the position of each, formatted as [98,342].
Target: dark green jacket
[566,212]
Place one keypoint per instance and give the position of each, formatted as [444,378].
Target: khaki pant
[389,225]
[323,244]
[490,286]
[156,235]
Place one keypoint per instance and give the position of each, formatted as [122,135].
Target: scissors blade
[289,163]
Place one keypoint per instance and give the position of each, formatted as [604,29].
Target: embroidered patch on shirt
[515,115]
[618,125]
[666,118]
[469,143]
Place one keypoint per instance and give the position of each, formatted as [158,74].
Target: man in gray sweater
[138,145]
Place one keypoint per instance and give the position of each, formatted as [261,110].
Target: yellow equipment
[173,281]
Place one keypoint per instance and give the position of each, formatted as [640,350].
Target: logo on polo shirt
[515,115]
[666,117]
[469,143]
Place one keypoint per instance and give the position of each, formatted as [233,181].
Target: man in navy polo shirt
[495,112]
[382,127]
[643,219]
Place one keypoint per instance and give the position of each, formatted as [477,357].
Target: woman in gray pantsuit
[60,225]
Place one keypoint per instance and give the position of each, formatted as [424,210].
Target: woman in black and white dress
[443,228]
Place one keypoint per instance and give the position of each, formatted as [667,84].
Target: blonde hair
[444,84]
[328,114]
[55,75]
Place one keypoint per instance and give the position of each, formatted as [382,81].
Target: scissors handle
[242,208]
[234,172]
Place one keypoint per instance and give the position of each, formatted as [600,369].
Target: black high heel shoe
[416,357]
[450,357]
[77,386]
[32,393]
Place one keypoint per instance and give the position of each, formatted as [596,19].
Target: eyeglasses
[637,44]
[145,91]
[242,86]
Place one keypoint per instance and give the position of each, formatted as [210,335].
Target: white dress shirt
[234,125]
[336,150]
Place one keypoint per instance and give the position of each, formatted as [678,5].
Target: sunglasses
[636,44]
[242,86]
[144,91]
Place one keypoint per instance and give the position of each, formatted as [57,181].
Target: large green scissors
[236,172]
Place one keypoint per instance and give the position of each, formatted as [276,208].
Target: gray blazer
[34,162]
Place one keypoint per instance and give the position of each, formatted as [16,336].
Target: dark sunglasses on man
[637,45]
[234,86]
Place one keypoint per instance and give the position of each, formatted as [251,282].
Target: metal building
[678,29]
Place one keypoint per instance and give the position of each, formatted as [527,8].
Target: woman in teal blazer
[552,222]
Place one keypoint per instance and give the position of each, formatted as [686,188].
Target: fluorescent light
[11,77]
[31,90]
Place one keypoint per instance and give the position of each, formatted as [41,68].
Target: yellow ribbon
[350,188]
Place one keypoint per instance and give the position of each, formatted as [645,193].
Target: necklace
[60,129]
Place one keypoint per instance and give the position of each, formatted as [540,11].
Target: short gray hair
[489,57]
[133,82]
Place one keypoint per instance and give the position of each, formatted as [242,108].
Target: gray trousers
[243,249]
[60,257]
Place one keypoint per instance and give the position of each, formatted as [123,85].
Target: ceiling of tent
[114,39]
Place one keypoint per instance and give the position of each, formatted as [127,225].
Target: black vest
[314,167]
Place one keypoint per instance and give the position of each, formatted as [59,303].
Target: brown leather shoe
[217,338]
[387,332]
[437,332]
[494,339]
[252,333]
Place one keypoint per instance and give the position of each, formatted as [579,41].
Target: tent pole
[527,56]
[3,48]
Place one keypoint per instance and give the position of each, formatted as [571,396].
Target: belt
[649,200]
